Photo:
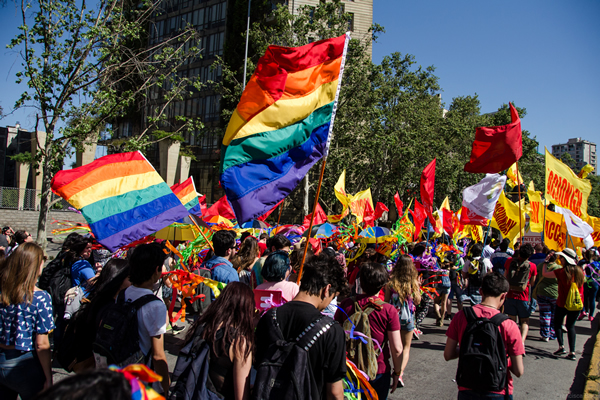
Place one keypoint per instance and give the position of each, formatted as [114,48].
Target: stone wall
[28,220]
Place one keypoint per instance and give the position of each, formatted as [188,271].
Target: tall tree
[91,64]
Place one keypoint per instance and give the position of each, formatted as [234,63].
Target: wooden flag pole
[520,214]
[312,218]
[280,210]
[202,233]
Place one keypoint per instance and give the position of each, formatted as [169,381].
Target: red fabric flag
[221,207]
[496,148]
[427,189]
[320,217]
[265,215]
[419,216]
[202,201]
[468,217]
[448,220]
[399,204]
[369,215]
[379,209]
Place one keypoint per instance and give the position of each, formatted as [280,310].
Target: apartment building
[582,151]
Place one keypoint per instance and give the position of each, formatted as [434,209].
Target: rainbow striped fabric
[186,192]
[121,196]
[282,125]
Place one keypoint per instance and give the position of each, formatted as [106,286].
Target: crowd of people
[354,308]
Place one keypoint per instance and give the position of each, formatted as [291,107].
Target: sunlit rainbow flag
[282,125]
[121,196]
[186,192]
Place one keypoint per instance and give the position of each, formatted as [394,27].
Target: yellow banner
[536,210]
[476,232]
[358,203]
[342,196]
[506,218]
[554,238]
[595,223]
[564,188]
[513,175]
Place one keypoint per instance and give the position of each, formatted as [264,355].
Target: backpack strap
[215,266]
[470,314]
[142,301]
[498,319]
[313,331]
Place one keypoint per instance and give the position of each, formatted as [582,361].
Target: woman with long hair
[228,327]
[444,287]
[82,272]
[245,258]
[546,293]
[569,273]
[404,292]
[25,322]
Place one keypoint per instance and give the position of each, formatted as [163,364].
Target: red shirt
[381,321]
[564,284]
[509,330]
[524,295]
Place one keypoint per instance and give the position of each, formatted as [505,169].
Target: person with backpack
[245,258]
[475,268]
[378,321]
[295,341]
[226,330]
[546,293]
[590,289]
[220,265]
[570,298]
[498,259]
[25,322]
[521,275]
[132,330]
[487,344]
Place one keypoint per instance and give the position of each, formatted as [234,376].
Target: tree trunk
[44,202]
[306,202]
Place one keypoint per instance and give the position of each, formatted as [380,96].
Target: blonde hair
[405,280]
[19,273]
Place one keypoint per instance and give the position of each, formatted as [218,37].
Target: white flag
[482,197]
[576,226]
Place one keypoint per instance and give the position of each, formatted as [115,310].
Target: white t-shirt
[152,318]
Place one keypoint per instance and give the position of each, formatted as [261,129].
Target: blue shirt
[19,322]
[81,271]
[224,272]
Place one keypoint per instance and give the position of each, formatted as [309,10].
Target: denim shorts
[520,308]
[443,290]
[471,296]
[408,326]
[20,372]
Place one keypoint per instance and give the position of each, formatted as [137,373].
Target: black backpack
[117,337]
[482,362]
[56,280]
[191,371]
[518,275]
[285,371]
[476,279]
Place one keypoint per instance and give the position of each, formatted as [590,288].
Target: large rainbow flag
[186,192]
[121,196]
[282,125]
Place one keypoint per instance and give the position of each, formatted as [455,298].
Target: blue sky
[543,55]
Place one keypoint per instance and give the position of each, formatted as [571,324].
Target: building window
[351,22]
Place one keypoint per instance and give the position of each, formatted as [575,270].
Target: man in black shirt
[322,280]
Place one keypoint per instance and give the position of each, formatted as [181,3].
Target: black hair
[504,245]
[329,252]
[449,258]
[322,271]
[476,250]
[279,242]
[373,277]
[144,261]
[494,284]
[111,278]
[223,241]
[526,251]
[5,229]
[244,236]
[418,250]
[76,244]
[263,236]
[99,384]
[276,265]
[20,236]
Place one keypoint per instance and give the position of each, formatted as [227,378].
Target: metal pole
[247,34]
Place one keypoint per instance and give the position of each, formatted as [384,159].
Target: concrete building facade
[582,151]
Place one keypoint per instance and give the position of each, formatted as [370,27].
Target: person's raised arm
[42,349]
[451,349]
[546,273]
[517,367]
[159,361]
[335,390]
[241,372]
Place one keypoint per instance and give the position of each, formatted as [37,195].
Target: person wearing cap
[570,272]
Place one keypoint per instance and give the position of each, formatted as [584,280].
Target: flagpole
[487,232]
[202,233]
[280,210]
[544,225]
[520,214]
[312,218]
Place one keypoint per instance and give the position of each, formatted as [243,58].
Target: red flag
[448,220]
[468,217]
[399,204]
[427,189]
[221,207]
[265,215]
[320,217]
[379,209]
[202,201]
[419,216]
[496,148]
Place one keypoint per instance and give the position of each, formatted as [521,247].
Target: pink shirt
[509,329]
[288,290]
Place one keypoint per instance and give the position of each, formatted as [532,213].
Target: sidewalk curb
[592,384]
